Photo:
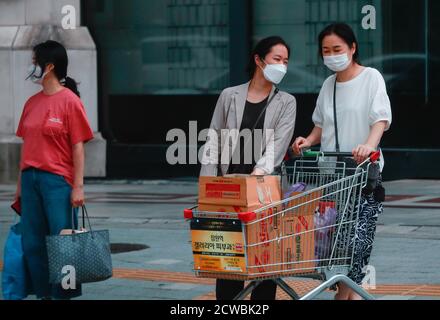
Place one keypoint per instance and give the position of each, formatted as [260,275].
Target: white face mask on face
[337,63]
[34,71]
[274,72]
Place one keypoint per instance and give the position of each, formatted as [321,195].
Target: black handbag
[87,252]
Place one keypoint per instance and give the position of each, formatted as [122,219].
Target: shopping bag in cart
[297,187]
[325,220]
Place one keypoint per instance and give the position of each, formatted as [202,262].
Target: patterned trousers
[364,236]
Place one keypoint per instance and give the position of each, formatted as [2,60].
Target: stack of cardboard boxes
[266,253]
[298,230]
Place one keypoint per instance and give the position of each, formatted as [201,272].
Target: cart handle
[374,156]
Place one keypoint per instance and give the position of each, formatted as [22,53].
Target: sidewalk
[149,213]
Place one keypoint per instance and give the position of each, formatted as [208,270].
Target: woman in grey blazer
[254,106]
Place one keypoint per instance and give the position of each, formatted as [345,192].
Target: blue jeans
[46,210]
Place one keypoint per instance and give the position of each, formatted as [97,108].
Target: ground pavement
[149,214]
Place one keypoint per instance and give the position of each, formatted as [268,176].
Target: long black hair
[343,31]
[55,53]
[262,48]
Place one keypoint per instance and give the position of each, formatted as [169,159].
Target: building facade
[23,24]
[162,64]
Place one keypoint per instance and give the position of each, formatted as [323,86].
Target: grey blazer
[228,114]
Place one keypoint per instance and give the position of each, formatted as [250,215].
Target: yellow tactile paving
[300,286]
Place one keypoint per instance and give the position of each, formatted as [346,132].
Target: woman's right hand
[299,144]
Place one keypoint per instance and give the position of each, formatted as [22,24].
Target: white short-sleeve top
[360,103]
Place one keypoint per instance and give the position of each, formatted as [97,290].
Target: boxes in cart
[264,248]
[298,246]
[218,245]
[226,208]
[305,205]
[245,193]
[239,190]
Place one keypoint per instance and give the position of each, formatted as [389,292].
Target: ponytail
[72,85]
[55,53]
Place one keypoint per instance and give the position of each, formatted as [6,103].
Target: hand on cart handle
[362,152]
[373,157]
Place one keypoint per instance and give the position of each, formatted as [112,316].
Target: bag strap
[84,215]
[335,117]
[256,122]
[264,109]
[219,144]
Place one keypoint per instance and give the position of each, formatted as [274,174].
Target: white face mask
[274,72]
[337,63]
[34,71]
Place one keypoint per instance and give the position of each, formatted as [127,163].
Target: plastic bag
[324,219]
[297,187]
[15,279]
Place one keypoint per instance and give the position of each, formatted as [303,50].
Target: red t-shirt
[50,125]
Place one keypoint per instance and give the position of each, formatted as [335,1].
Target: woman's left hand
[77,197]
[362,152]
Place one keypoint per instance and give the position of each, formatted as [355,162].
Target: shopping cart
[309,234]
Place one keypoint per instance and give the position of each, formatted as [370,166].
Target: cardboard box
[268,229]
[265,248]
[298,246]
[218,245]
[305,205]
[239,190]
[225,208]
[245,193]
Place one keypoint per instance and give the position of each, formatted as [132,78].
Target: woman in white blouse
[363,113]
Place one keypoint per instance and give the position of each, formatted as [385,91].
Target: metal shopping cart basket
[309,234]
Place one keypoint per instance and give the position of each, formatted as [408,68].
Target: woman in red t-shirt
[54,128]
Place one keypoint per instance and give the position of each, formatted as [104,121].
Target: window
[162,47]
[400,55]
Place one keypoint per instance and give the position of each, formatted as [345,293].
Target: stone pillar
[23,24]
